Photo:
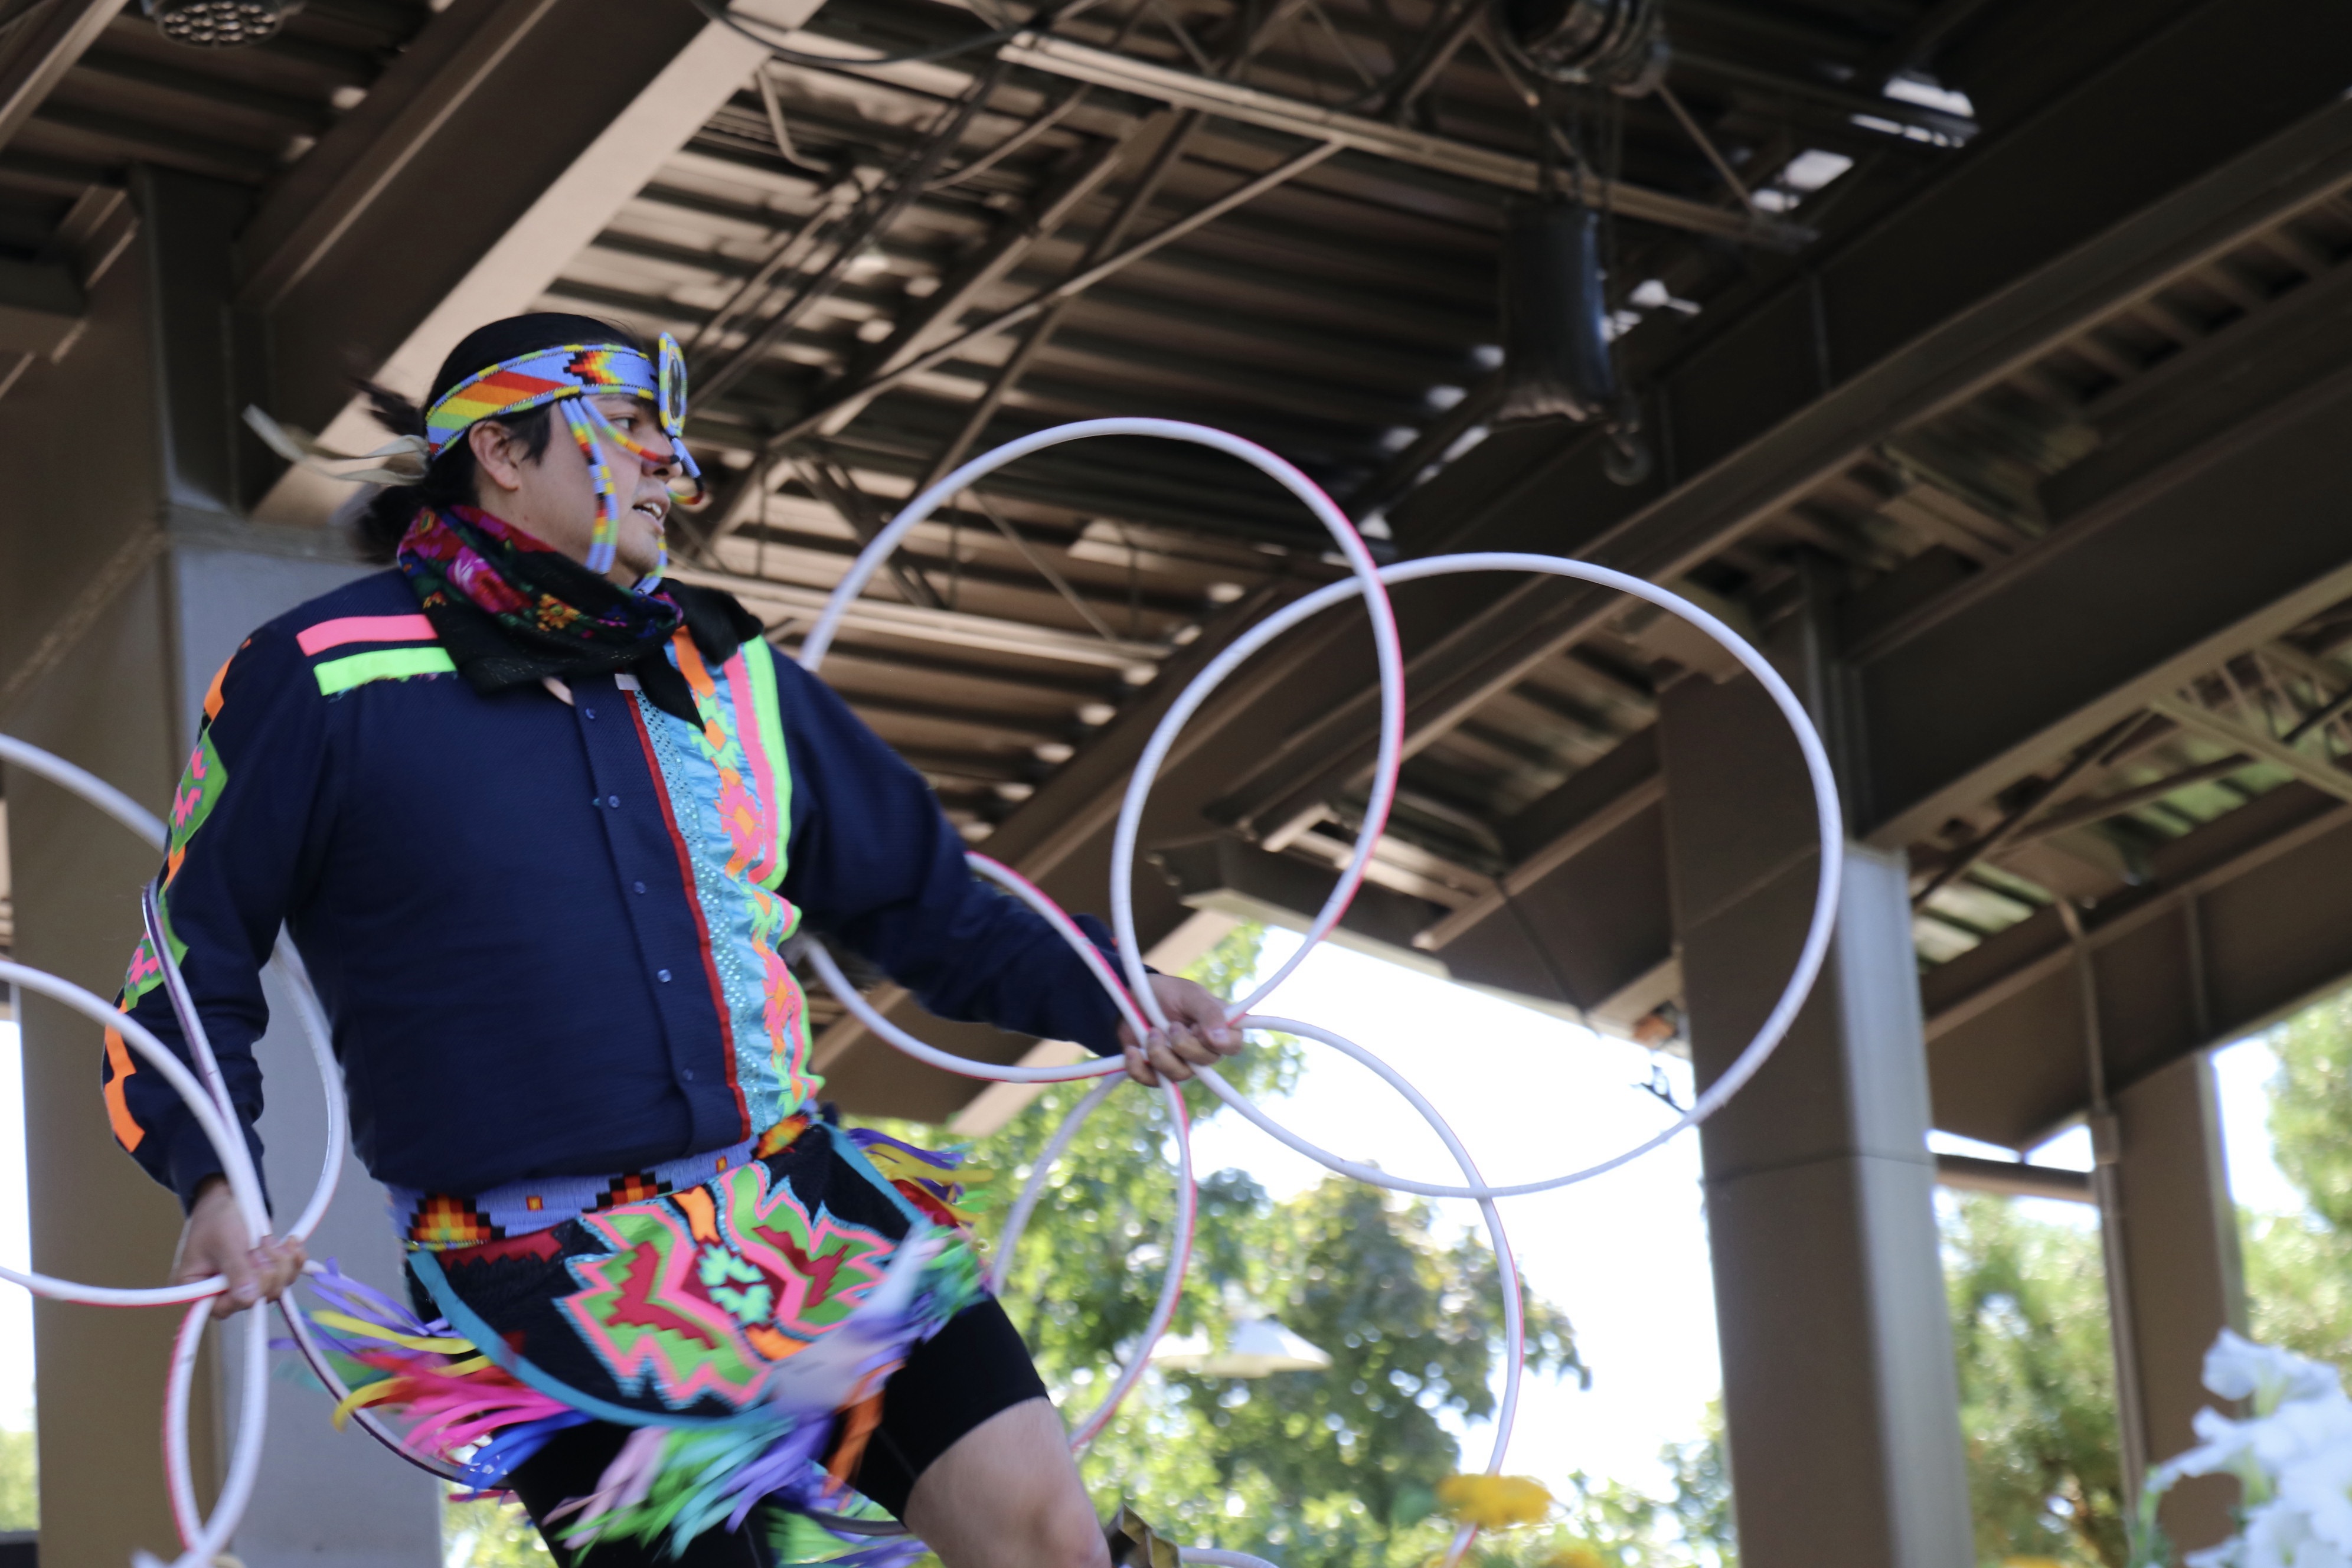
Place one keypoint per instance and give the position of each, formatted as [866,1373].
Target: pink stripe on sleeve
[364,628]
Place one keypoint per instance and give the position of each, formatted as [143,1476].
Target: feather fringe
[935,1181]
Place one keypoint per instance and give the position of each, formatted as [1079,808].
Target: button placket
[645,851]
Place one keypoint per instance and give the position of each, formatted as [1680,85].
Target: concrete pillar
[2182,1281]
[126,577]
[1840,1395]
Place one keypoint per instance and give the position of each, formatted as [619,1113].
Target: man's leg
[972,1455]
[1006,1495]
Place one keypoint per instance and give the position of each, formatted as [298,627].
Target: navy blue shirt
[546,933]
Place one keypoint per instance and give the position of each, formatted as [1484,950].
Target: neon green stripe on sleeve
[384,664]
[758,657]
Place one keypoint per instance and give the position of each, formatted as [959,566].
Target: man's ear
[497,454]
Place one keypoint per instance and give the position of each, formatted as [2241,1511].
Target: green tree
[484,1534]
[1606,1523]
[2037,1385]
[20,1481]
[1323,1469]
[2299,1266]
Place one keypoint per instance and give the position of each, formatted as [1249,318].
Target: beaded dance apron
[744,1326]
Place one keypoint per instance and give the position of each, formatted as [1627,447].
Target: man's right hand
[214,1242]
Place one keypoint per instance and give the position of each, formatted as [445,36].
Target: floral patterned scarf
[513,611]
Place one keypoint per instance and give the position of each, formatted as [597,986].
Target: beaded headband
[568,377]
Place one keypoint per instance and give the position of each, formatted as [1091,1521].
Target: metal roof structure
[1987,358]
[1345,317]
[1902,329]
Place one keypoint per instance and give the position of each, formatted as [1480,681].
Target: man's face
[553,498]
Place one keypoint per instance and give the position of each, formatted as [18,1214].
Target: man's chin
[635,557]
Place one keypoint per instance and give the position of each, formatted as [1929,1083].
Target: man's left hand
[1197,1033]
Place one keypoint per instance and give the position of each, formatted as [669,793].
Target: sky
[1623,1255]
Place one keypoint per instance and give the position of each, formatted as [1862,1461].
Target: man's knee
[1071,1537]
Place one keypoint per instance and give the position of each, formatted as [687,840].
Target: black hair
[450,481]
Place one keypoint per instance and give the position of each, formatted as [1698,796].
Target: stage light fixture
[219,24]
[1616,44]
[1555,318]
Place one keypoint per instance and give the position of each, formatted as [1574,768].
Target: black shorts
[971,1369]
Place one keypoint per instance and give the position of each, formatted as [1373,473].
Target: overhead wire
[765,34]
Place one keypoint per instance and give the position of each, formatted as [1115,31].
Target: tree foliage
[1334,1468]
[2029,1312]
[1608,1523]
[484,1534]
[2037,1385]
[2299,1266]
[20,1487]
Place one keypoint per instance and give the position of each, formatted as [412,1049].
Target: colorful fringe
[674,1481]
[461,1407]
[934,1181]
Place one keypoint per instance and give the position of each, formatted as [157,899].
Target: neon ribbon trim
[362,628]
[346,1323]
[760,660]
[340,675]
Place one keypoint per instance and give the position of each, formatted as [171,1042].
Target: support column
[126,577]
[1840,1395]
[2183,1280]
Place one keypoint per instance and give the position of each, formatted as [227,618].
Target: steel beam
[951,628]
[40,308]
[361,260]
[1106,244]
[1755,429]
[42,51]
[2237,924]
[1385,139]
[2013,1179]
[2221,551]
[1016,237]
[1575,818]
[1037,304]
[2317,771]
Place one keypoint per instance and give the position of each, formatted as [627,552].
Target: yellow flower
[1577,1554]
[1494,1502]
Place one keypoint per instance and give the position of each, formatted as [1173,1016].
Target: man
[541,827]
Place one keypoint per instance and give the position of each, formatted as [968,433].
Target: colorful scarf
[512,612]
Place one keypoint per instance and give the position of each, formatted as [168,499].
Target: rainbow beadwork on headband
[568,377]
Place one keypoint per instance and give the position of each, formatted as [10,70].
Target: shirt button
[687,1073]
[664,976]
[639,886]
[612,800]
[590,713]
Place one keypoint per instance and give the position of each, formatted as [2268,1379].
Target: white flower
[2293,1458]
[2318,1485]
[2238,1368]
